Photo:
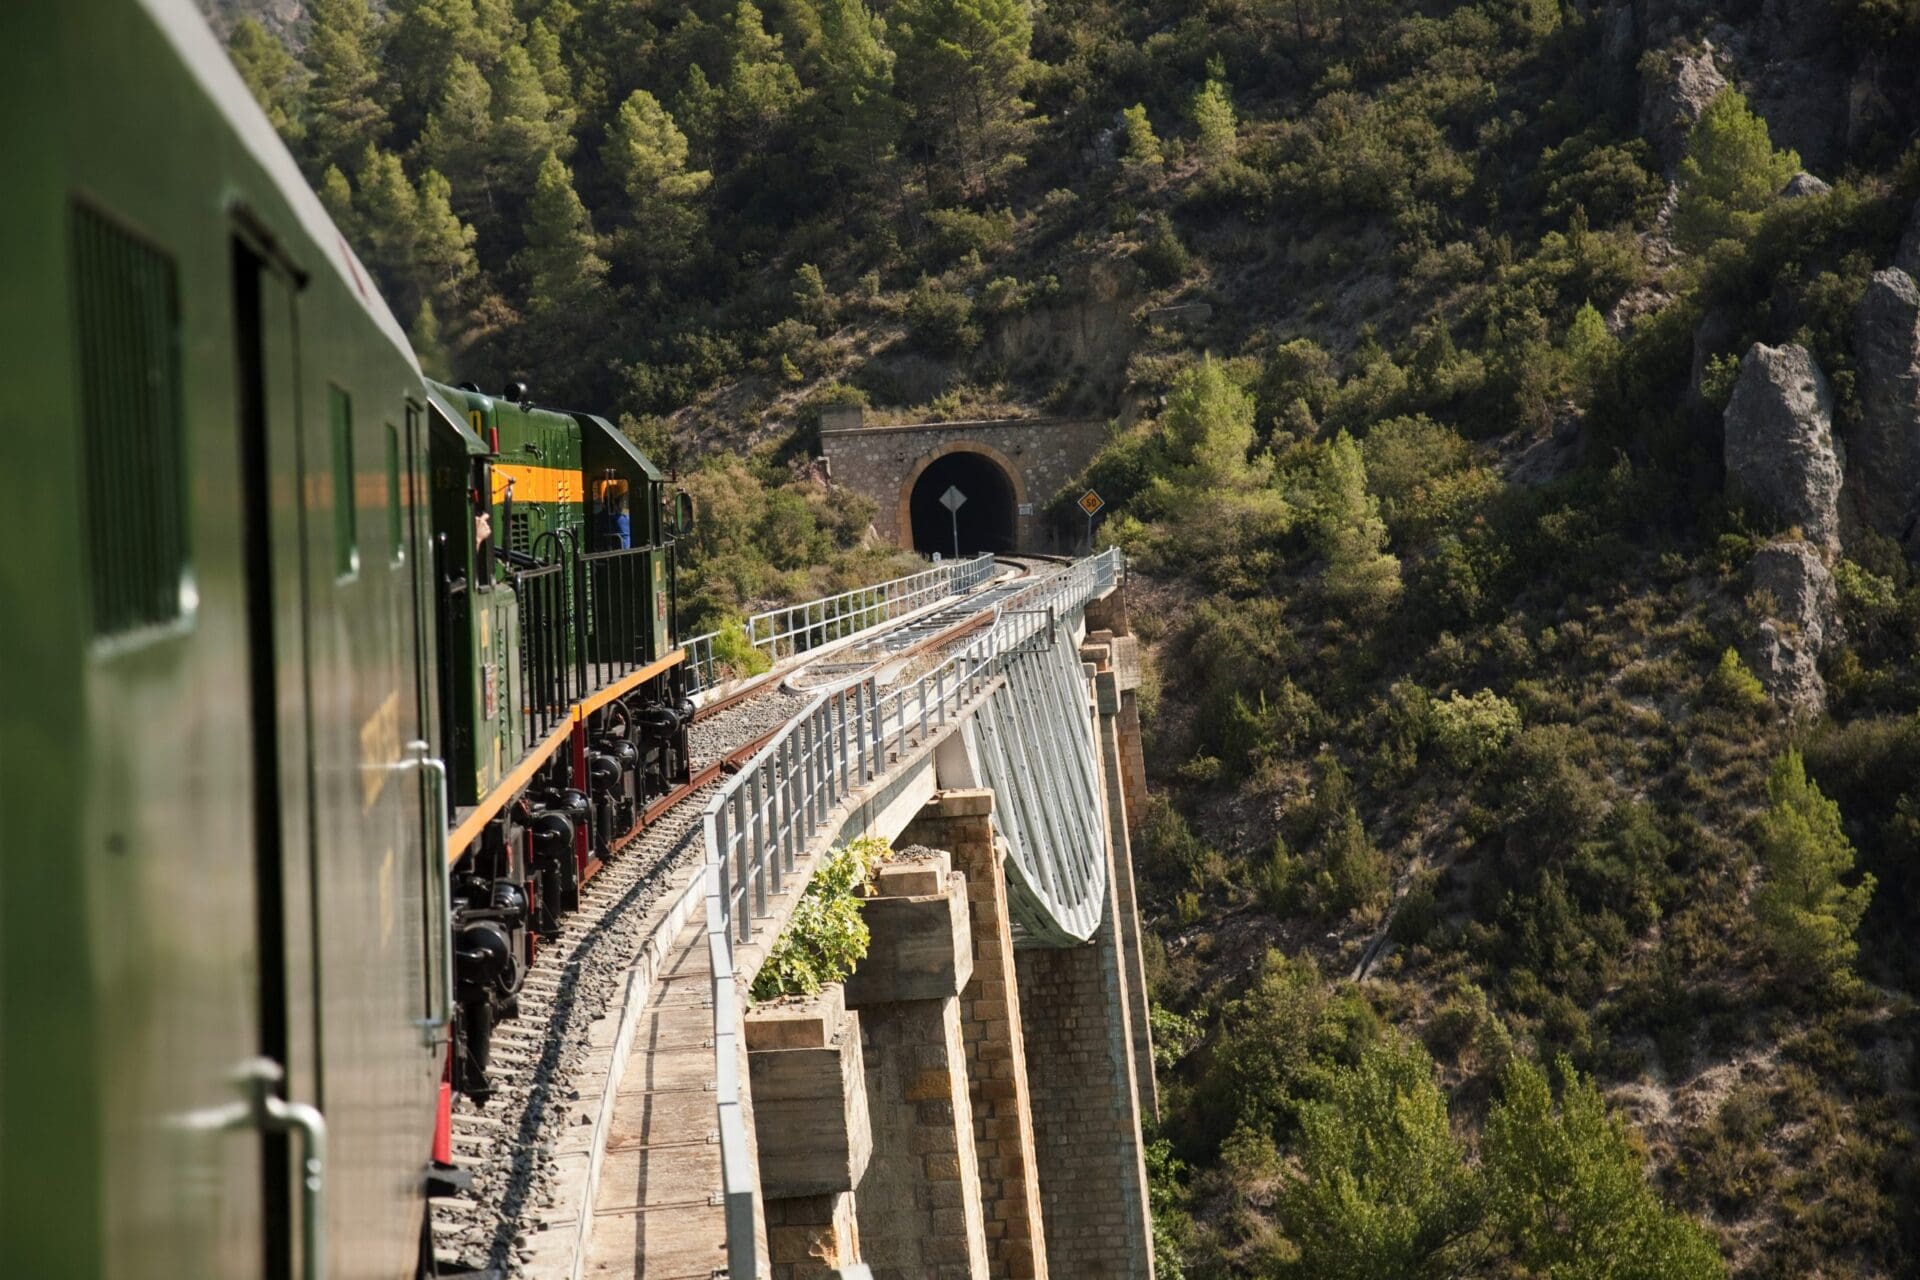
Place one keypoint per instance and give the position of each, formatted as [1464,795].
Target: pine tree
[344,115]
[272,76]
[390,220]
[1568,1192]
[1211,110]
[963,65]
[336,196]
[1806,913]
[432,45]
[647,154]
[527,123]
[1361,575]
[1590,346]
[458,142]
[1729,175]
[543,51]
[443,253]
[560,265]
[1214,498]
[1143,147]
[852,117]
[761,90]
[1383,1187]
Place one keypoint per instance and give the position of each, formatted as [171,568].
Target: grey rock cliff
[1675,89]
[1785,653]
[1779,441]
[1907,257]
[1884,449]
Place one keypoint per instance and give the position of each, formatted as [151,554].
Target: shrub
[1161,256]
[941,320]
[952,234]
[1734,687]
[1415,919]
[734,655]
[1471,732]
[826,936]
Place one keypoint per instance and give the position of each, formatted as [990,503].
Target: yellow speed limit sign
[1090,502]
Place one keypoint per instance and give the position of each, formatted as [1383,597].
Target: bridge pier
[919,1204]
[961,822]
[808,1082]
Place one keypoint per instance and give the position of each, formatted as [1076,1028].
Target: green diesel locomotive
[322,687]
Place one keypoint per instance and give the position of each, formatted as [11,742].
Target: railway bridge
[969,1102]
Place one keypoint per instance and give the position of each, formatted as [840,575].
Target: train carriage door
[276,480]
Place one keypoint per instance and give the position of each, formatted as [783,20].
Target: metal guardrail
[782,633]
[767,814]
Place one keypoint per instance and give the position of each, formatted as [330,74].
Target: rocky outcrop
[1779,441]
[1884,448]
[1675,88]
[1907,257]
[1802,185]
[1791,580]
[1797,74]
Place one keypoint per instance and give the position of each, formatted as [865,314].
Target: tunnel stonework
[1038,455]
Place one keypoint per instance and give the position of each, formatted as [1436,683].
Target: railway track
[507,1151]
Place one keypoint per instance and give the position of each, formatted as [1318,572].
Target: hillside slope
[1517,431]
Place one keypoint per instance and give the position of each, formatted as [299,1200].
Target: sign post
[1091,502]
[951,500]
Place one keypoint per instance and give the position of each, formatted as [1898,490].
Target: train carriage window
[346,549]
[396,530]
[132,427]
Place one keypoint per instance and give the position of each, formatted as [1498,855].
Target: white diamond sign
[952,499]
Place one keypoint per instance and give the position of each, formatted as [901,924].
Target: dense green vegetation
[1503,926]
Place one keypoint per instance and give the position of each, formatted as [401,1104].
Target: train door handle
[262,1109]
[440,874]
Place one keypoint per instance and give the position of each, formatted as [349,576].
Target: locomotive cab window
[346,550]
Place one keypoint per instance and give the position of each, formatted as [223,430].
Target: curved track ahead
[512,1150]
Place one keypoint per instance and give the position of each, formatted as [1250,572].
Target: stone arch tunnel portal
[986,520]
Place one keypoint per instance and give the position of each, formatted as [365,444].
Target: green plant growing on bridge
[735,653]
[826,937]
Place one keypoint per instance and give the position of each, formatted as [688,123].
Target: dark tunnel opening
[986,519]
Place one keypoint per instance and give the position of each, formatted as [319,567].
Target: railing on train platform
[550,674]
[565,653]
[620,612]
[766,815]
[782,633]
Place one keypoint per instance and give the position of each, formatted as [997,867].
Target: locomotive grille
[126,301]
[520,533]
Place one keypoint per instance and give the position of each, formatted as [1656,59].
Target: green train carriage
[265,559]
[220,858]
